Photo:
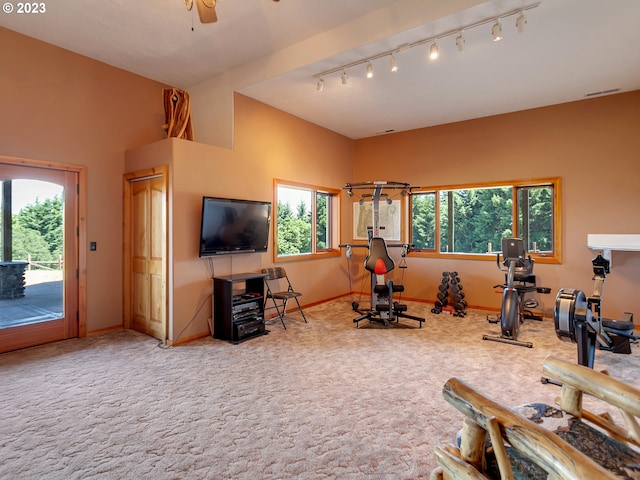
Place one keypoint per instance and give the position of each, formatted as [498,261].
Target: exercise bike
[578,319]
[519,282]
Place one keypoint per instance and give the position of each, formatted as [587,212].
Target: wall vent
[602,92]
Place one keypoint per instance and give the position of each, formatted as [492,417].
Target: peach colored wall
[268,144]
[62,107]
[593,145]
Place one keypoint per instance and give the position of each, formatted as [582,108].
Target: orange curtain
[177,113]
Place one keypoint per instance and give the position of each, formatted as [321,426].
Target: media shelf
[238,307]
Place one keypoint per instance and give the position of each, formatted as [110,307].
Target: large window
[306,220]
[472,220]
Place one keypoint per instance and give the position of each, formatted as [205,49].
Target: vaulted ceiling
[568,50]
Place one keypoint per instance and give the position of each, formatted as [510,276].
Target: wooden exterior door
[145,253]
[37,317]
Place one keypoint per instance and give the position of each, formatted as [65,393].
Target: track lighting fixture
[460,41]
[496,31]
[369,70]
[521,21]
[344,78]
[392,64]
[433,51]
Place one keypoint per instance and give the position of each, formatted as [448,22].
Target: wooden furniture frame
[509,431]
[577,380]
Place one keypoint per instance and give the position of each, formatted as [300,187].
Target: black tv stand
[238,307]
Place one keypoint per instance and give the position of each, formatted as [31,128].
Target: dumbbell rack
[450,293]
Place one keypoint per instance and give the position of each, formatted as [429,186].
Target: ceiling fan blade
[207,10]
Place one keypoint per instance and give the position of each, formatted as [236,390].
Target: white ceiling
[570,48]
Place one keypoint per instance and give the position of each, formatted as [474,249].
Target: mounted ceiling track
[206,9]
[496,32]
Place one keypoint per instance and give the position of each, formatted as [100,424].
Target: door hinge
[77,273]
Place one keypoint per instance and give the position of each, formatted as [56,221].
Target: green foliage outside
[471,219]
[294,225]
[38,231]
[294,229]
[423,223]
[322,232]
[539,228]
[480,216]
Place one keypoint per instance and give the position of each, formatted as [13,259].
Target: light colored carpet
[319,400]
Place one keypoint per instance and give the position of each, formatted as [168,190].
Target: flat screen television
[231,226]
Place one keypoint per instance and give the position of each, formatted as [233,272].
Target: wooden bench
[497,442]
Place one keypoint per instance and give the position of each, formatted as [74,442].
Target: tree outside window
[473,220]
[305,219]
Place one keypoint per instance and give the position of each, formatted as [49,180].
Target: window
[423,225]
[472,220]
[306,220]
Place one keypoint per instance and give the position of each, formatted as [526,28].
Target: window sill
[307,256]
[487,257]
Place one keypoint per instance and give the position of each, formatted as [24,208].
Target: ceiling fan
[206,9]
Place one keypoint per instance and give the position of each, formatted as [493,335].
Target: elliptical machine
[578,319]
[519,281]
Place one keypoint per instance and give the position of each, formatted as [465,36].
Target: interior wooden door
[35,321]
[145,278]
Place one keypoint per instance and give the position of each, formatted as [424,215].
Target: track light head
[361,201]
[320,85]
[521,21]
[496,31]
[460,42]
[389,201]
[369,70]
[433,51]
[344,78]
[350,192]
[392,64]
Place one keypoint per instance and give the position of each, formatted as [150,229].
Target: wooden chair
[517,444]
[280,291]
[520,448]
[576,380]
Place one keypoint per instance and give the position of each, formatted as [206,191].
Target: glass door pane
[32,263]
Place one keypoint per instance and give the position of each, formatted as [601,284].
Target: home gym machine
[578,319]
[383,308]
[519,281]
